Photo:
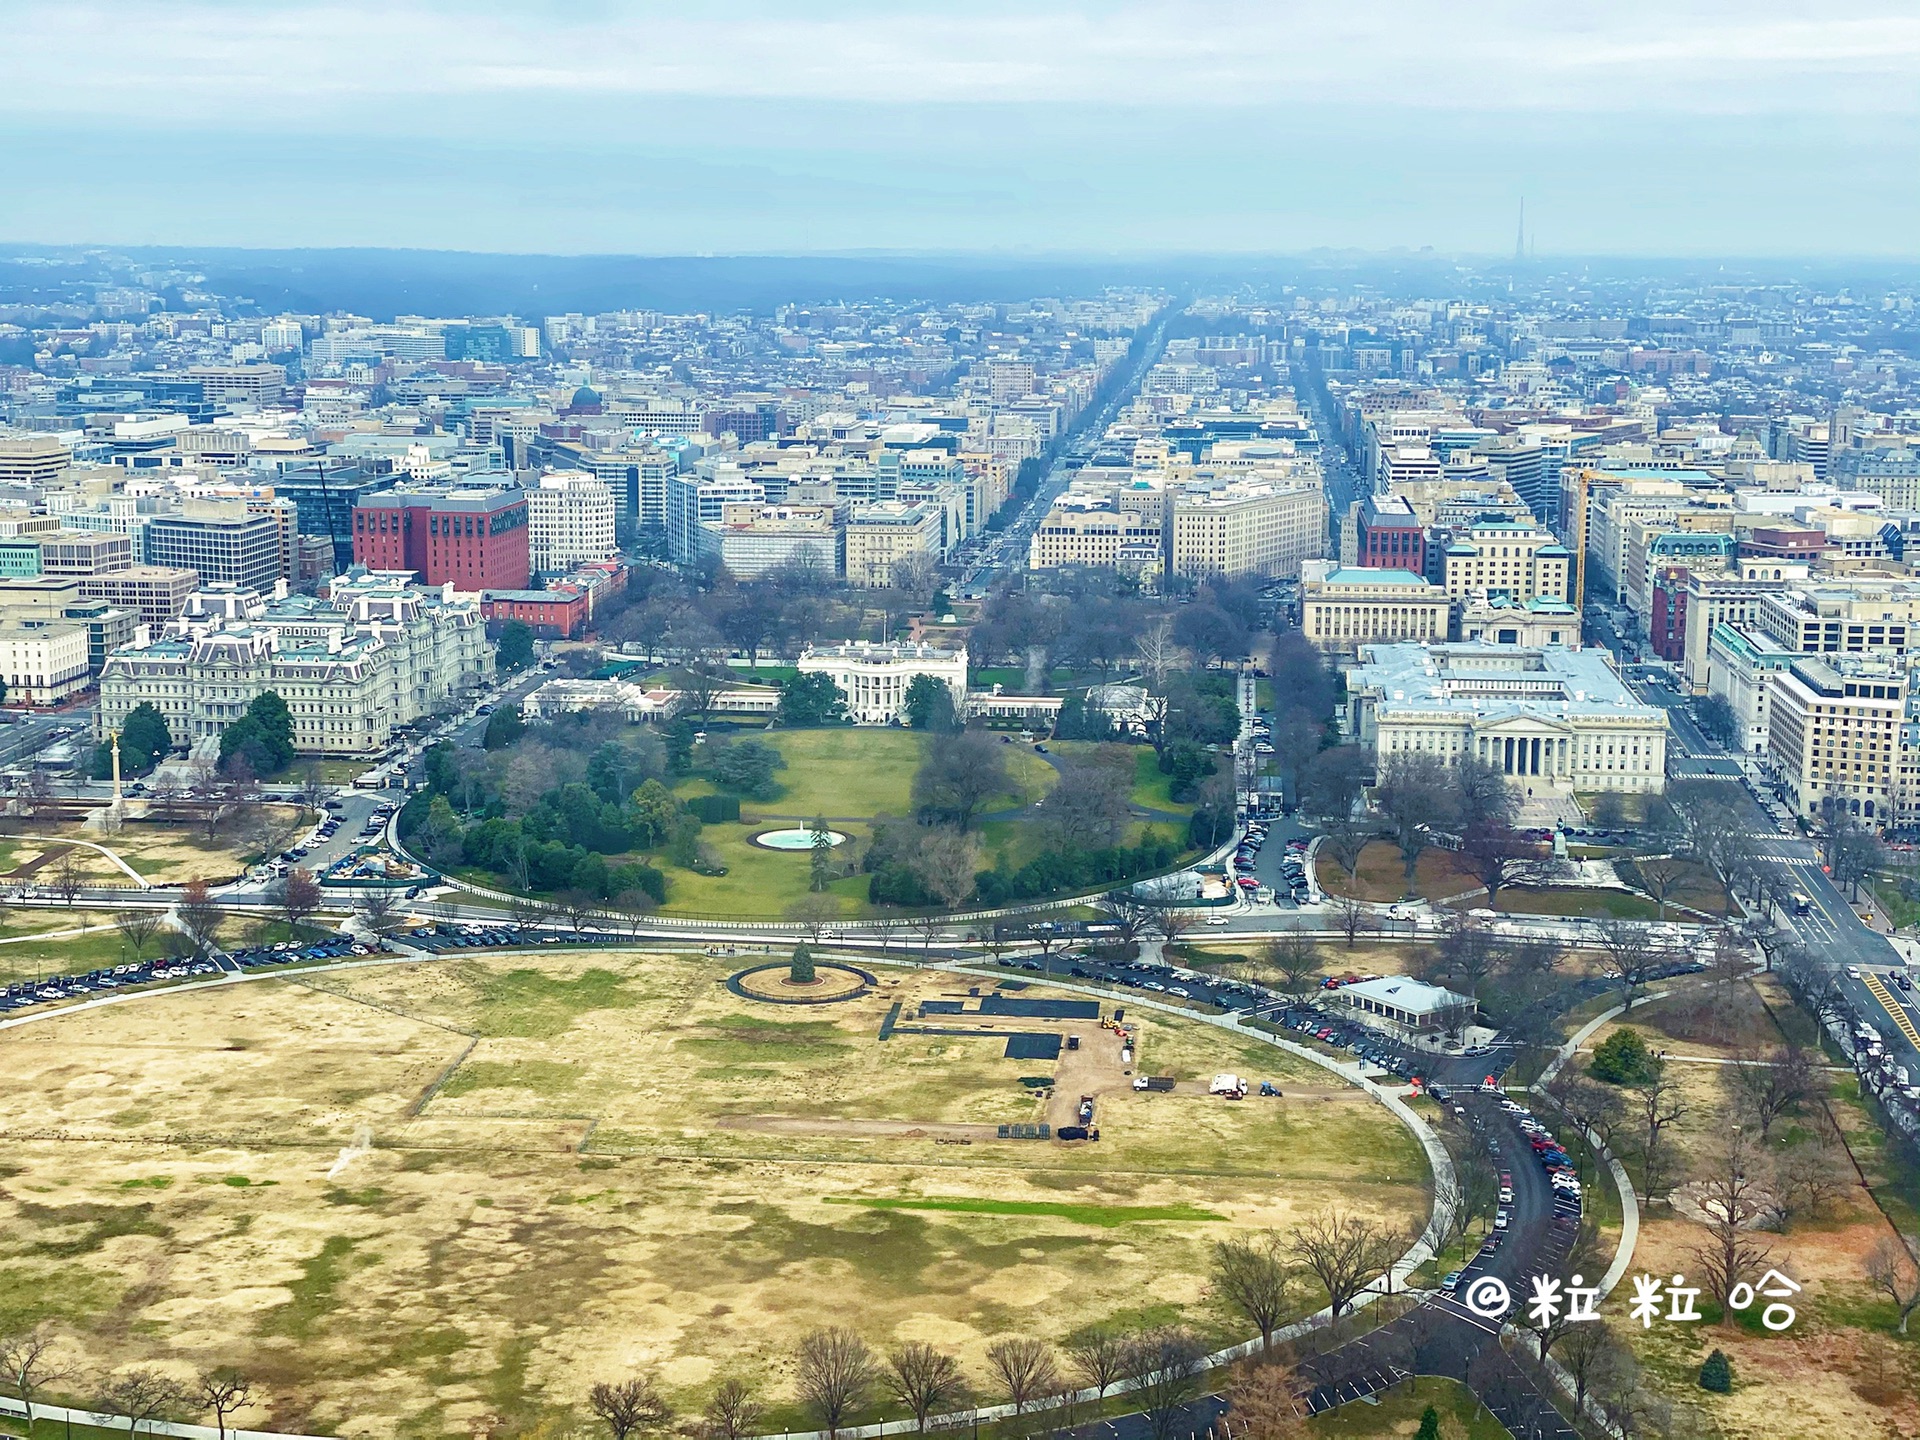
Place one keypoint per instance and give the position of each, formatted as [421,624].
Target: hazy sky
[1767,127]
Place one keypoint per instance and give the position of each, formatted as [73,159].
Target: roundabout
[494,1179]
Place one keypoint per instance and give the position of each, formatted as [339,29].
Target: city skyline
[1124,131]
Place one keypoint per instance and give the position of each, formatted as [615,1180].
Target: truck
[1153,1082]
[1229,1086]
[1086,1110]
[1801,904]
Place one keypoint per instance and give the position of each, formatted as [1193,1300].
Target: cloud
[201,58]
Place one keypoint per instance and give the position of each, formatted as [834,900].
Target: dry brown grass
[1381,875]
[554,1194]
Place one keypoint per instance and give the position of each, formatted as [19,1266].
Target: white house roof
[1415,997]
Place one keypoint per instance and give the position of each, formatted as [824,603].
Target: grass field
[1382,876]
[848,775]
[405,1197]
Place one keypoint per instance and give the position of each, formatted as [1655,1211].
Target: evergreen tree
[1716,1374]
[1620,1059]
[1429,1425]
[800,971]
[516,645]
[821,859]
[264,735]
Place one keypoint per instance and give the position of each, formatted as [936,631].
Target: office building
[1389,535]
[84,552]
[156,594]
[1116,538]
[471,537]
[751,539]
[886,535]
[32,462]
[1833,735]
[43,662]
[224,541]
[1246,528]
[248,386]
[570,520]
[1549,719]
[1343,609]
[1512,561]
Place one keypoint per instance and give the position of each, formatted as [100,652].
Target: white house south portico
[1548,718]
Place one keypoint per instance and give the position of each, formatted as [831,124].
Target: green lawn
[1398,1412]
[758,881]
[1151,789]
[1619,904]
[65,957]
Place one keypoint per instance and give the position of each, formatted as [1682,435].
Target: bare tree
[1294,958]
[1025,1367]
[835,1374]
[1344,1251]
[69,874]
[137,928]
[1629,956]
[1416,797]
[314,790]
[296,895]
[1352,918]
[1769,1084]
[1588,1353]
[628,1407]
[1165,1367]
[223,1391]
[1661,876]
[733,1413]
[1496,854]
[140,1396]
[199,915]
[1250,1272]
[1345,840]
[923,1378]
[1659,1105]
[1099,1357]
[1263,1406]
[1808,1177]
[1893,1270]
[27,1366]
[813,912]
[378,907]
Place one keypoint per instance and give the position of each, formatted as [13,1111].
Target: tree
[224,1391]
[1659,1104]
[1250,1273]
[958,776]
[1165,1366]
[262,736]
[1629,956]
[296,895]
[800,969]
[1332,782]
[1495,854]
[1098,1357]
[1716,1374]
[1621,1059]
[701,684]
[629,1406]
[1717,720]
[1343,1251]
[746,766]
[819,854]
[813,913]
[1416,798]
[1808,1177]
[928,705]
[1893,1270]
[811,700]
[199,915]
[1352,918]
[1263,1406]
[1087,809]
[1296,738]
[834,1375]
[140,1396]
[137,928]
[69,874]
[1661,876]
[1025,1368]
[1429,1425]
[924,1379]
[145,740]
[733,1413]
[27,1366]
[1296,960]
[379,909]
[1768,1085]
[1588,1352]
[1733,1200]
[516,646]
[504,727]
[1345,841]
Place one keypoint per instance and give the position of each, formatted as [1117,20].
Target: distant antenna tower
[1520,236]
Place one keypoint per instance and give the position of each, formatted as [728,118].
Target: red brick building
[1667,621]
[476,538]
[552,614]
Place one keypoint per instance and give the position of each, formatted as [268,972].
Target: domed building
[586,401]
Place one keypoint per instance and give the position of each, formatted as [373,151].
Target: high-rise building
[885,536]
[252,384]
[1246,528]
[155,593]
[473,537]
[32,461]
[570,520]
[225,541]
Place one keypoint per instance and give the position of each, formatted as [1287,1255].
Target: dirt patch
[856,1129]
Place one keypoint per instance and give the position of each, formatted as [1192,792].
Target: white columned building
[874,678]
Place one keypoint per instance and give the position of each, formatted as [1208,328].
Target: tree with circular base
[800,972]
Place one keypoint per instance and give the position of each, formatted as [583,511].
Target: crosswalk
[1893,1007]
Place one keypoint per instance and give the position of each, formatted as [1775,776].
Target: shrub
[1620,1059]
[1716,1374]
[715,809]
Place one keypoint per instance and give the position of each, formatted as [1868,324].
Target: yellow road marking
[1892,1007]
